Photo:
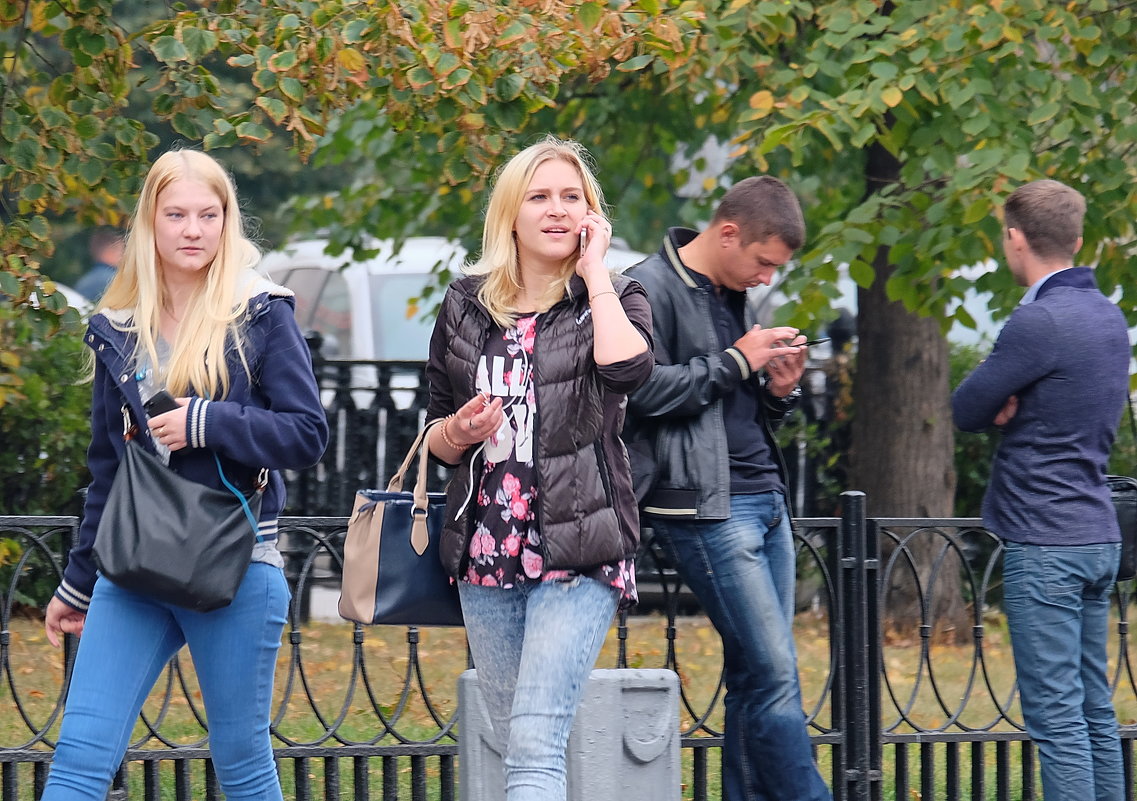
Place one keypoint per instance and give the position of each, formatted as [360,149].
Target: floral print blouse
[505,549]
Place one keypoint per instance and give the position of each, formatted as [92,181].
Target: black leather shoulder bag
[171,538]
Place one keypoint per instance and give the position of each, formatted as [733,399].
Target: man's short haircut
[101,239]
[1049,214]
[761,207]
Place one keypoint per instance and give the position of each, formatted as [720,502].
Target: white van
[360,307]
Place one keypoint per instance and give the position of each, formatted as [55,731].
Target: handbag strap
[241,497]
[397,480]
[420,537]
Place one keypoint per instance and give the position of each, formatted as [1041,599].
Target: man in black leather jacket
[711,479]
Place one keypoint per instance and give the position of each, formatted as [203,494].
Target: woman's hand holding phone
[595,235]
[167,419]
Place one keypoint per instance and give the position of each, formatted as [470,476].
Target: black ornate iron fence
[907,678]
[374,411]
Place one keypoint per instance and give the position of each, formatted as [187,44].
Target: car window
[397,335]
[332,317]
[306,282]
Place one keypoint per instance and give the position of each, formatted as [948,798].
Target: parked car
[360,307]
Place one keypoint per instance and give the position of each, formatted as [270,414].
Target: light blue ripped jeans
[542,639]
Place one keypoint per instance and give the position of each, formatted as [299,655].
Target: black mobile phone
[160,403]
[813,342]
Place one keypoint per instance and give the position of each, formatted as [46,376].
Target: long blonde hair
[498,261]
[210,323]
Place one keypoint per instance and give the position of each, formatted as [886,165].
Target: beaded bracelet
[605,292]
[446,437]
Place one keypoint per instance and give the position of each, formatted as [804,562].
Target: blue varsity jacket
[274,422]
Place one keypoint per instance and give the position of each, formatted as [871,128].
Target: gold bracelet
[605,292]
[446,438]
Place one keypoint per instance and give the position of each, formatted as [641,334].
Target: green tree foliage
[415,102]
[971,98]
[453,78]
[45,425]
[923,115]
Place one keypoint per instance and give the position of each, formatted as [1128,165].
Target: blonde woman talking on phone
[530,362]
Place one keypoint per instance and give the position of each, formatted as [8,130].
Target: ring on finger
[470,422]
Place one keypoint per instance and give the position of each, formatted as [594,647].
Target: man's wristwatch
[786,401]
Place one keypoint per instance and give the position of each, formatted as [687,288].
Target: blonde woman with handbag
[531,359]
[187,314]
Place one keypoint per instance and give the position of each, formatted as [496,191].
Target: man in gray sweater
[1056,382]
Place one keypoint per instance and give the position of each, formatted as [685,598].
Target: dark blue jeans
[743,572]
[1057,601]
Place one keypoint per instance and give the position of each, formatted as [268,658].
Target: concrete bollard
[624,742]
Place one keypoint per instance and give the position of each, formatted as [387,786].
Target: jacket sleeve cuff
[72,597]
[195,422]
[735,357]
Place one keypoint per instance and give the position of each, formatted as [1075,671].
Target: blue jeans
[743,571]
[534,647]
[128,639]
[1057,601]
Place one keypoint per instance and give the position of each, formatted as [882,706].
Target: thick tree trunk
[902,437]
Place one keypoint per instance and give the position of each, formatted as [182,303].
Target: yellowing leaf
[1045,112]
[892,97]
[274,107]
[977,211]
[253,131]
[763,100]
[589,14]
[351,59]
[420,77]
[473,121]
